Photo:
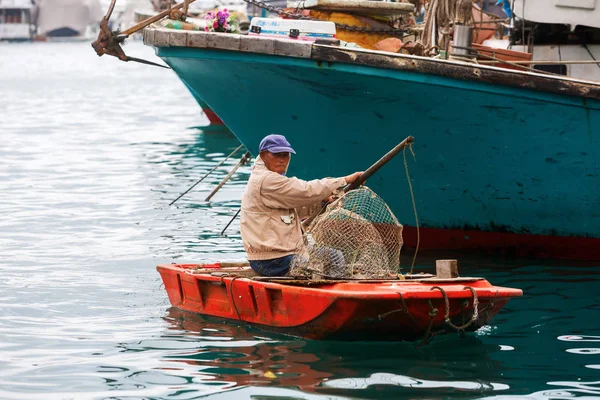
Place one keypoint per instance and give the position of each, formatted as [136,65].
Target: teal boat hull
[213,118]
[498,168]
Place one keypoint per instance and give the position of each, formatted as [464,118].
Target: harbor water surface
[92,152]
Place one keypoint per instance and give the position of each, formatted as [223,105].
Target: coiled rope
[475,315]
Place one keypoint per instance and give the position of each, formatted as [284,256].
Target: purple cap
[275,144]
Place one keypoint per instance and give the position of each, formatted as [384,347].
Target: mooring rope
[432,314]
[475,315]
[412,197]
[489,305]
[233,298]
[404,309]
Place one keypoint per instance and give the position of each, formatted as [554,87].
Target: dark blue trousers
[274,267]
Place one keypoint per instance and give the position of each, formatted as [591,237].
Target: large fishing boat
[508,150]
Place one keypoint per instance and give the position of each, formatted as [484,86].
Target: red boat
[412,307]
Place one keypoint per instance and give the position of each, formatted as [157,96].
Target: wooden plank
[292,48]
[257,44]
[148,35]
[161,38]
[458,70]
[197,39]
[178,38]
[223,41]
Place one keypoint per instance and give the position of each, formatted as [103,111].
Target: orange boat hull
[383,311]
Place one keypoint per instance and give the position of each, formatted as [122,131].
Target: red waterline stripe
[509,244]
[212,117]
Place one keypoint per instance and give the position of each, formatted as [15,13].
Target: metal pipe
[463,38]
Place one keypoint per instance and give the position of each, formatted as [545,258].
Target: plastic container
[292,28]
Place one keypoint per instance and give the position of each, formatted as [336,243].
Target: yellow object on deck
[363,7]
[363,39]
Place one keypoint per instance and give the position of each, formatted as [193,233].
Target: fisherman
[273,205]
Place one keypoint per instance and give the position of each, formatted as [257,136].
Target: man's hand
[353,177]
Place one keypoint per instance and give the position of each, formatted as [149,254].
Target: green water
[94,150]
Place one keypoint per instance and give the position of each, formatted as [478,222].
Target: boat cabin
[15,19]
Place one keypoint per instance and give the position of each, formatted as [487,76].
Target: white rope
[440,16]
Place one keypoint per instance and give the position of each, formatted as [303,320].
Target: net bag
[357,237]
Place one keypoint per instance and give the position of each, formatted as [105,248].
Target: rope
[515,64]
[488,306]
[231,295]
[404,310]
[412,197]
[440,16]
[432,314]
[447,302]
[476,53]
[591,55]
[541,62]
[234,277]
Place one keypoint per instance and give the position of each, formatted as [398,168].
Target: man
[273,204]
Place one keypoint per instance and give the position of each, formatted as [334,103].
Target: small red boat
[412,307]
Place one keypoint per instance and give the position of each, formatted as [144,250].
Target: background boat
[16,20]
[68,19]
[566,31]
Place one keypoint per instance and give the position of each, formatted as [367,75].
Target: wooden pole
[207,174]
[152,20]
[245,158]
[382,161]
[370,171]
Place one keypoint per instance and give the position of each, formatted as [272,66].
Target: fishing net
[357,237]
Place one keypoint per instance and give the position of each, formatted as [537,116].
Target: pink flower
[224,10]
[215,24]
[226,26]
[206,28]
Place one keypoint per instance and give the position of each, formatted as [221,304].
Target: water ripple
[93,151]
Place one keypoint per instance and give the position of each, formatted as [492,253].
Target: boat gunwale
[458,63]
[160,37]
[454,290]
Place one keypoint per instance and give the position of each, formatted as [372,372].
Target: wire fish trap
[357,237]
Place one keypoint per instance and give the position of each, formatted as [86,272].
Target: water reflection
[498,361]
[248,356]
[191,225]
[408,382]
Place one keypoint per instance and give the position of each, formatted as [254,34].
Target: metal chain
[345,27]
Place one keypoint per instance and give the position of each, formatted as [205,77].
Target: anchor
[109,42]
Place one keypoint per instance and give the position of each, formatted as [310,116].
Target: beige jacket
[272,207]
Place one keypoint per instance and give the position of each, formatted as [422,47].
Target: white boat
[16,19]
[69,18]
[563,34]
